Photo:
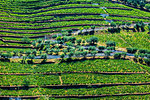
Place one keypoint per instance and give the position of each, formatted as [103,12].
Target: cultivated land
[74,49]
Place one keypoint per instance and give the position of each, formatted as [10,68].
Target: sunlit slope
[35,17]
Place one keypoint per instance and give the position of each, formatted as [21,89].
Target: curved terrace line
[71,8]
[69,72]
[73,14]
[50,21]
[78,19]
[76,96]
[12,41]
[52,5]
[77,85]
[56,26]
[94,96]
[51,28]
[14,36]
[99,28]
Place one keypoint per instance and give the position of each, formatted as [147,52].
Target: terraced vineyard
[74,49]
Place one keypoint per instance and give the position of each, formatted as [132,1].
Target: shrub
[136,56]
[92,40]
[93,53]
[79,41]
[70,31]
[92,48]
[54,36]
[131,50]
[28,52]
[147,6]
[57,51]
[65,51]
[31,56]
[47,42]
[44,57]
[112,24]
[6,55]
[141,55]
[148,56]
[39,40]
[147,61]
[110,43]
[69,48]
[80,49]
[110,48]
[72,39]
[69,44]
[23,61]
[84,53]
[15,53]
[124,54]
[142,51]
[59,38]
[77,53]
[62,55]
[70,54]
[34,43]
[114,30]
[117,55]
[34,52]
[107,53]
[101,47]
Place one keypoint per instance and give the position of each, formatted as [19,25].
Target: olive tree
[44,57]
[31,56]
[62,56]
[70,54]
[107,54]
[101,48]
[84,53]
[79,41]
[92,40]
[93,53]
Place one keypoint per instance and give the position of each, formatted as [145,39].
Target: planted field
[89,65]
[39,80]
[81,91]
[128,13]
[74,49]
[104,79]
[125,39]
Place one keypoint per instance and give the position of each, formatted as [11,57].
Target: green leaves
[92,40]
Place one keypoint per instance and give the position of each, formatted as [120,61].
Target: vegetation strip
[71,14]
[14,36]
[72,7]
[76,85]
[23,97]
[46,6]
[60,21]
[12,46]
[75,96]
[95,72]
[92,96]
[56,9]
[51,28]
[11,41]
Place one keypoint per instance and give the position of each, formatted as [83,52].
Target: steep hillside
[74,49]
